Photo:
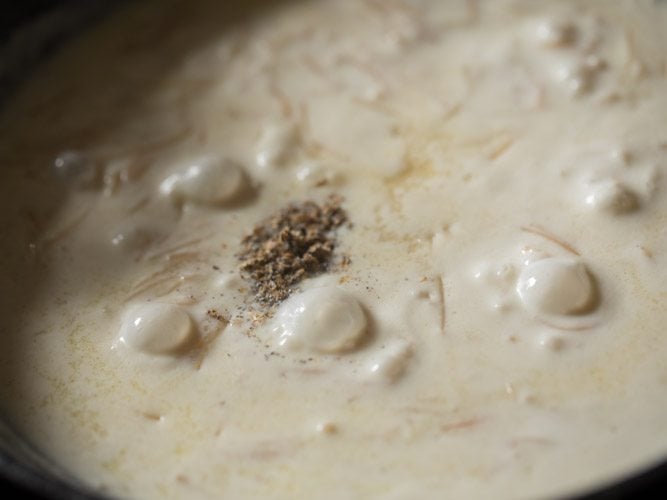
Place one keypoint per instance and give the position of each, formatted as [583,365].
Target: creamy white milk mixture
[499,330]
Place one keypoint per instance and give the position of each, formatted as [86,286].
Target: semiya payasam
[482,304]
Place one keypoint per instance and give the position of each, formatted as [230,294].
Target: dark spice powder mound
[295,243]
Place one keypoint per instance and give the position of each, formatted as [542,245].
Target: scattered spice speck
[212,313]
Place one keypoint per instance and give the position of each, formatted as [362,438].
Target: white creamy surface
[499,330]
